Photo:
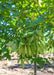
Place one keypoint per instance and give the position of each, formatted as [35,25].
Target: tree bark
[35,68]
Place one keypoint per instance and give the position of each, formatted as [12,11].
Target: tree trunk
[35,68]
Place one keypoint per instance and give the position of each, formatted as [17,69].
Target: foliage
[30,25]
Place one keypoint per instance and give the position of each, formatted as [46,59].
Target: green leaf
[26,60]
[19,59]
[7,55]
[2,7]
[47,61]
[1,17]
[22,63]
[9,6]
[35,22]
[29,49]
[32,61]
[40,61]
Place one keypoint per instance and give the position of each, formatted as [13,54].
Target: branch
[39,12]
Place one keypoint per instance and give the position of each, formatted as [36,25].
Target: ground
[13,68]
